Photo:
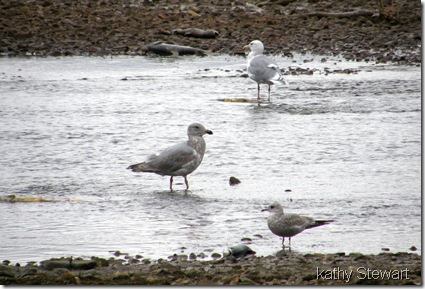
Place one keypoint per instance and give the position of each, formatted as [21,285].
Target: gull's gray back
[178,160]
[263,70]
[288,225]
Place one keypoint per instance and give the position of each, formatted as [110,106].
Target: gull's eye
[271,207]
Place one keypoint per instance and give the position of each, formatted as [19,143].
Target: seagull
[261,68]
[289,225]
[178,160]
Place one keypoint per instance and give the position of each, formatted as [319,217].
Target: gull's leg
[283,243]
[186,182]
[258,90]
[289,244]
[171,183]
[269,92]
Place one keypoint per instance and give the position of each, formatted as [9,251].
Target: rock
[68,263]
[101,262]
[178,257]
[55,263]
[83,265]
[234,181]
[133,261]
[310,277]
[7,271]
[240,251]
[201,255]
[120,275]
[77,280]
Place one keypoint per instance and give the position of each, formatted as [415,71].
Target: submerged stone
[240,251]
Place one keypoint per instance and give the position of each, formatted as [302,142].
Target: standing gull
[289,225]
[261,68]
[178,160]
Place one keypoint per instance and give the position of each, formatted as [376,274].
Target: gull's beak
[265,210]
[208,131]
[245,47]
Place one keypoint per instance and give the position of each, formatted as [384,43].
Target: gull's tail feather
[318,223]
[278,77]
[282,80]
[141,167]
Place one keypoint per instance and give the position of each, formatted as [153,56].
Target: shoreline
[355,30]
[284,269]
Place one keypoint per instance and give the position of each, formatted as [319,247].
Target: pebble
[133,261]
[201,255]
[234,181]
[120,275]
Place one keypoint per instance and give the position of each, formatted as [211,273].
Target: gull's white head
[256,47]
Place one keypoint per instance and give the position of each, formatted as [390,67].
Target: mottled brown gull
[261,68]
[178,160]
[289,225]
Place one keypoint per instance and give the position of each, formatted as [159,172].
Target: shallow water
[347,146]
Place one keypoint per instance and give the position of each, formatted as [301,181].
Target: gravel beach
[283,269]
[357,30]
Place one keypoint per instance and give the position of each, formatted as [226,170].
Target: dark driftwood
[169,48]
[196,32]
[342,14]
[279,2]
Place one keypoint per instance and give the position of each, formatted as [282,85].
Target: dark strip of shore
[381,31]
[286,269]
